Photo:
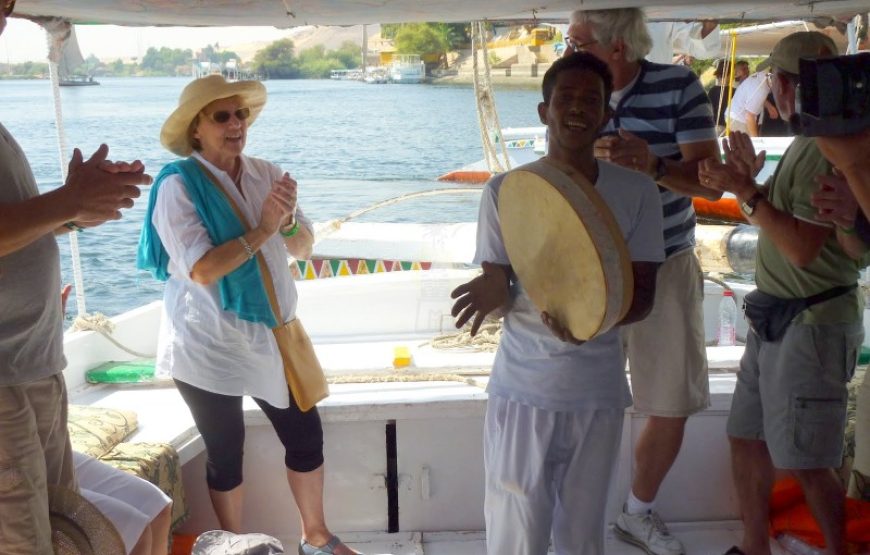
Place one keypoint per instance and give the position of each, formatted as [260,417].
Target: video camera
[833,97]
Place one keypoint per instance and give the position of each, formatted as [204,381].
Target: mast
[365,48]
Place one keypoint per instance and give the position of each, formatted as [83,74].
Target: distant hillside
[306,37]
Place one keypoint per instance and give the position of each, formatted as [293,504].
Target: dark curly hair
[578,60]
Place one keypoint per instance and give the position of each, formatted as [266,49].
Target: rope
[487,116]
[57,33]
[732,47]
[486,340]
[330,227]
[101,324]
[418,377]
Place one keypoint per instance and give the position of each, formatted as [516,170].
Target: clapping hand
[99,189]
[738,149]
[280,205]
[737,174]
[835,201]
[625,149]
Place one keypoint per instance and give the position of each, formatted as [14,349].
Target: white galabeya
[648,532]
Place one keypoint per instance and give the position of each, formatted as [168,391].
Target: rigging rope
[57,33]
[331,226]
[101,324]
[487,338]
[732,57]
[487,116]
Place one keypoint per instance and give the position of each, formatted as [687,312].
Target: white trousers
[548,472]
[130,502]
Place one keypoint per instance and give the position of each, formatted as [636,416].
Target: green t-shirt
[791,187]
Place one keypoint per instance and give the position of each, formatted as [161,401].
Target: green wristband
[72,226]
[292,231]
[847,230]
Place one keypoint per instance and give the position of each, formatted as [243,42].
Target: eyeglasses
[223,116]
[575,46]
[8,6]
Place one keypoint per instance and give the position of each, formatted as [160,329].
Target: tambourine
[566,247]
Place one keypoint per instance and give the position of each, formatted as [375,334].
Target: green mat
[130,371]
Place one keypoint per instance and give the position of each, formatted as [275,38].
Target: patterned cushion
[95,430]
[159,464]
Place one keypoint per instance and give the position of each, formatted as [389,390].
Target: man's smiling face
[576,110]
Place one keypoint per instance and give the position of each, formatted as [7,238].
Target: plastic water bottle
[727,320]
[796,546]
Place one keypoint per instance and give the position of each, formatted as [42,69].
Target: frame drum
[565,247]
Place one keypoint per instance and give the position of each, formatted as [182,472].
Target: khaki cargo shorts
[667,352]
[792,393]
[34,452]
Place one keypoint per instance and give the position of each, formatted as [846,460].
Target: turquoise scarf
[242,290]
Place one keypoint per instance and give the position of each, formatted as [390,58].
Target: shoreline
[498,81]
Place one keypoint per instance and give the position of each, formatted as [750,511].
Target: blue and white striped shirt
[667,106]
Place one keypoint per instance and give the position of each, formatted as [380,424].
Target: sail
[71,56]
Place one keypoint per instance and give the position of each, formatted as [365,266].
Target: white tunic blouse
[200,343]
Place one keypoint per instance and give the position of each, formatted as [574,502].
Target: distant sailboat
[70,60]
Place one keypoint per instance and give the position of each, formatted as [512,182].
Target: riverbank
[498,81]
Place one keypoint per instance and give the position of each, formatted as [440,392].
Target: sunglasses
[575,46]
[8,6]
[223,116]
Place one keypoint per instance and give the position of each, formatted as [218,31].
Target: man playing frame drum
[558,390]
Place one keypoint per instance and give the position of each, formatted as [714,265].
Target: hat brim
[767,63]
[173,134]
[79,528]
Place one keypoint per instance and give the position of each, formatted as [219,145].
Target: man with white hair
[662,126]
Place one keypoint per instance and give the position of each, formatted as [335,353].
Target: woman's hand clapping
[280,206]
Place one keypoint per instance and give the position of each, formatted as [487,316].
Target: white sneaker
[648,532]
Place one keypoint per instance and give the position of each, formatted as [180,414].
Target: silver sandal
[306,548]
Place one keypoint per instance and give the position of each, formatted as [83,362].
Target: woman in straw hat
[216,336]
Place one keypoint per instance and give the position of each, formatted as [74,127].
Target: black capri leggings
[220,421]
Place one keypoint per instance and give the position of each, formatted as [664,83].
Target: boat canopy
[291,13]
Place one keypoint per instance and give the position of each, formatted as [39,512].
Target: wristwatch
[748,206]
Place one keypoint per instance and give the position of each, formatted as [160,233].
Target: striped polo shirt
[667,106]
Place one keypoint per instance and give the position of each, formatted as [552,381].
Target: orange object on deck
[789,514]
[182,544]
[466,176]
[725,210]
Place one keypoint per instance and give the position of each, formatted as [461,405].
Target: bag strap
[261,260]
[829,294]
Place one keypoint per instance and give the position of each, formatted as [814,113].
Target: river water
[348,144]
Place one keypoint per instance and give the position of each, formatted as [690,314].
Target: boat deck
[404,449]
[708,539]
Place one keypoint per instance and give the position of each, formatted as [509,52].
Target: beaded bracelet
[247,246]
[72,226]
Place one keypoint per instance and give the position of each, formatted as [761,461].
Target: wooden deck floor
[713,539]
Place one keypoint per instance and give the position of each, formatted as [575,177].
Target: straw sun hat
[79,528]
[197,95]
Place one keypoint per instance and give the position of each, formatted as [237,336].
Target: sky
[25,41]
